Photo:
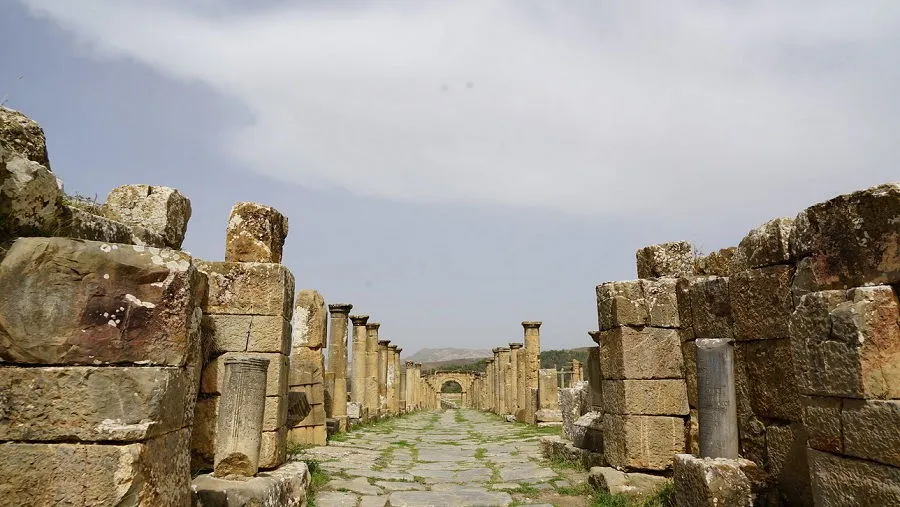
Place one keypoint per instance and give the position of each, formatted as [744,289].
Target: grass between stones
[480,453]
[317,478]
[664,497]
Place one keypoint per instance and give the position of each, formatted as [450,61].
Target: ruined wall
[307,376]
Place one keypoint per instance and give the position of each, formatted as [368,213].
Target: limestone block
[645,397]
[648,353]
[308,435]
[548,397]
[285,486]
[717,263]
[767,245]
[871,430]
[30,200]
[81,302]
[161,210]
[203,433]
[838,481]
[354,410]
[255,233]
[822,420]
[307,366]
[22,136]
[276,376]
[316,417]
[298,407]
[587,432]
[711,307]
[273,448]
[761,302]
[689,353]
[787,462]
[771,385]
[692,433]
[849,241]
[621,304]
[155,472]
[247,333]
[661,299]
[248,288]
[275,413]
[848,344]
[667,259]
[314,393]
[309,325]
[94,404]
[573,403]
[642,442]
[716,482]
[594,379]
[78,223]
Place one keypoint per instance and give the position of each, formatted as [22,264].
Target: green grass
[382,461]
[317,478]
[480,453]
[524,489]
[459,418]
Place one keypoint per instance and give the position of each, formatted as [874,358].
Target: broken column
[337,360]
[358,370]
[716,396]
[371,395]
[241,408]
[306,379]
[70,313]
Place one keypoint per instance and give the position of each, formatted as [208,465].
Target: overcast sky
[455,167]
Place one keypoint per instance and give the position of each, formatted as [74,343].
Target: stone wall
[811,306]
[306,380]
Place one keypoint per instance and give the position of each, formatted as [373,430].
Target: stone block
[642,442]
[78,223]
[771,385]
[255,233]
[645,397]
[595,378]
[667,259]
[307,366]
[648,353]
[20,135]
[871,430]
[285,486]
[308,435]
[717,482]
[761,302]
[661,299]
[247,333]
[849,241]
[689,354]
[587,432]
[309,324]
[711,307]
[692,433]
[161,210]
[248,288]
[273,448]
[848,343]
[767,245]
[839,481]
[67,302]
[94,404]
[203,433]
[621,304]
[717,263]
[573,403]
[154,472]
[548,397]
[315,417]
[822,420]
[276,375]
[274,413]
[30,199]
[787,462]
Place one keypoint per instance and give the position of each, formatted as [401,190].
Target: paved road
[443,458]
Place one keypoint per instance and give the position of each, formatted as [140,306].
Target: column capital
[495,350]
[515,345]
[410,364]
[359,320]
[384,343]
[503,349]
[418,365]
[532,324]
[340,308]
[595,335]
[373,325]
[399,350]
[392,347]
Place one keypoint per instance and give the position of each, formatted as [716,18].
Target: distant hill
[559,359]
[449,354]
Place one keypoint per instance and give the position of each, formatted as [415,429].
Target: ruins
[132,373]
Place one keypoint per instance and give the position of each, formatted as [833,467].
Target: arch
[451,386]
[465,379]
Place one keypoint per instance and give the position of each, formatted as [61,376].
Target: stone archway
[465,380]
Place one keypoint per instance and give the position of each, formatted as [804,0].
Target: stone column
[532,353]
[514,349]
[337,360]
[577,372]
[409,386]
[391,384]
[503,355]
[398,381]
[496,387]
[717,398]
[382,376]
[489,385]
[239,430]
[358,386]
[420,399]
[548,394]
[403,391]
[371,396]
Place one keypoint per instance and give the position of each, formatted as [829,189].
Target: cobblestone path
[443,458]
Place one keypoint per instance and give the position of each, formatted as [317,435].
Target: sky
[454,168]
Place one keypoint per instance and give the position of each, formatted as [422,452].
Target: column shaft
[337,357]
[239,426]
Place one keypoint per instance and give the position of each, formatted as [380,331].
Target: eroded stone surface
[255,233]
[161,210]
[21,135]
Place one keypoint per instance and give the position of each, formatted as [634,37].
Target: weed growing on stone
[459,417]
[294,448]
[480,453]
[317,478]
[384,459]
[524,489]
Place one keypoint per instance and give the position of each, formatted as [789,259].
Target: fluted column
[382,376]
[514,386]
[337,358]
[239,426]
[358,374]
[371,395]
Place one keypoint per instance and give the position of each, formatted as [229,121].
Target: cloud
[587,107]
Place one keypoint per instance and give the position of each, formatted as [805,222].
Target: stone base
[718,481]
[556,447]
[635,485]
[557,424]
[284,486]
[587,432]
[547,415]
